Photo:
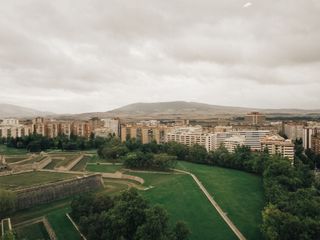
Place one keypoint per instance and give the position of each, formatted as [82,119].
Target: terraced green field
[239,194]
[80,166]
[34,231]
[103,168]
[62,225]
[14,159]
[31,178]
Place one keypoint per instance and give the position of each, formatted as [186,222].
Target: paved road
[216,206]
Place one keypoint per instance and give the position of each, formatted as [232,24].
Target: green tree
[155,226]
[197,154]
[180,231]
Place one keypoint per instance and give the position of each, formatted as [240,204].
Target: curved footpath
[216,206]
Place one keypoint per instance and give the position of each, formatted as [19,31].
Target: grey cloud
[151,49]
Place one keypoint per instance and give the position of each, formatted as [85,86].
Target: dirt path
[215,205]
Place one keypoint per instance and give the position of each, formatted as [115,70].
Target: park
[239,194]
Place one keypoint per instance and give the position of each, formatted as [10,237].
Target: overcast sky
[88,55]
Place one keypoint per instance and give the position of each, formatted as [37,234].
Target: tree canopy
[127,216]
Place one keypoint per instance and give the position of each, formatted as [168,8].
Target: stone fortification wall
[46,193]
[120,175]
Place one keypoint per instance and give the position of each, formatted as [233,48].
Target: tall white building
[308,132]
[293,131]
[253,138]
[233,142]
[187,136]
[215,140]
[113,124]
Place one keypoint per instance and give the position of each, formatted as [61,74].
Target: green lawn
[4,150]
[103,168]
[30,232]
[53,163]
[80,166]
[62,225]
[56,214]
[31,178]
[239,194]
[184,201]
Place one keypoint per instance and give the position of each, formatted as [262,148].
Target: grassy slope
[31,178]
[80,166]
[103,168]
[62,225]
[239,194]
[4,150]
[55,213]
[34,231]
[184,201]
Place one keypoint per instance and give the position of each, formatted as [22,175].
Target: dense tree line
[37,143]
[142,160]
[127,216]
[293,201]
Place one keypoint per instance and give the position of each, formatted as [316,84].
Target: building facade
[253,138]
[315,141]
[145,132]
[255,118]
[293,131]
[278,145]
[12,128]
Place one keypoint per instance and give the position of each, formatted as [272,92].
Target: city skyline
[97,56]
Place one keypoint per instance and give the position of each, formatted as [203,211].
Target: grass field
[4,150]
[80,166]
[184,201]
[62,225]
[103,168]
[33,231]
[14,159]
[239,194]
[53,163]
[68,158]
[56,215]
[31,178]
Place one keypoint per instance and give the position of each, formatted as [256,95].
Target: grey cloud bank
[78,56]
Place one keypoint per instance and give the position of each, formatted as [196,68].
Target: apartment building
[233,142]
[255,118]
[253,138]
[293,130]
[12,128]
[145,131]
[110,126]
[278,145]
[315,141]
[81,128]
[188,136]
[308,133]
[215,140]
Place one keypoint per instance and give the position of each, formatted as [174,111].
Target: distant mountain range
[13,111]
[160,110]
[164,110]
